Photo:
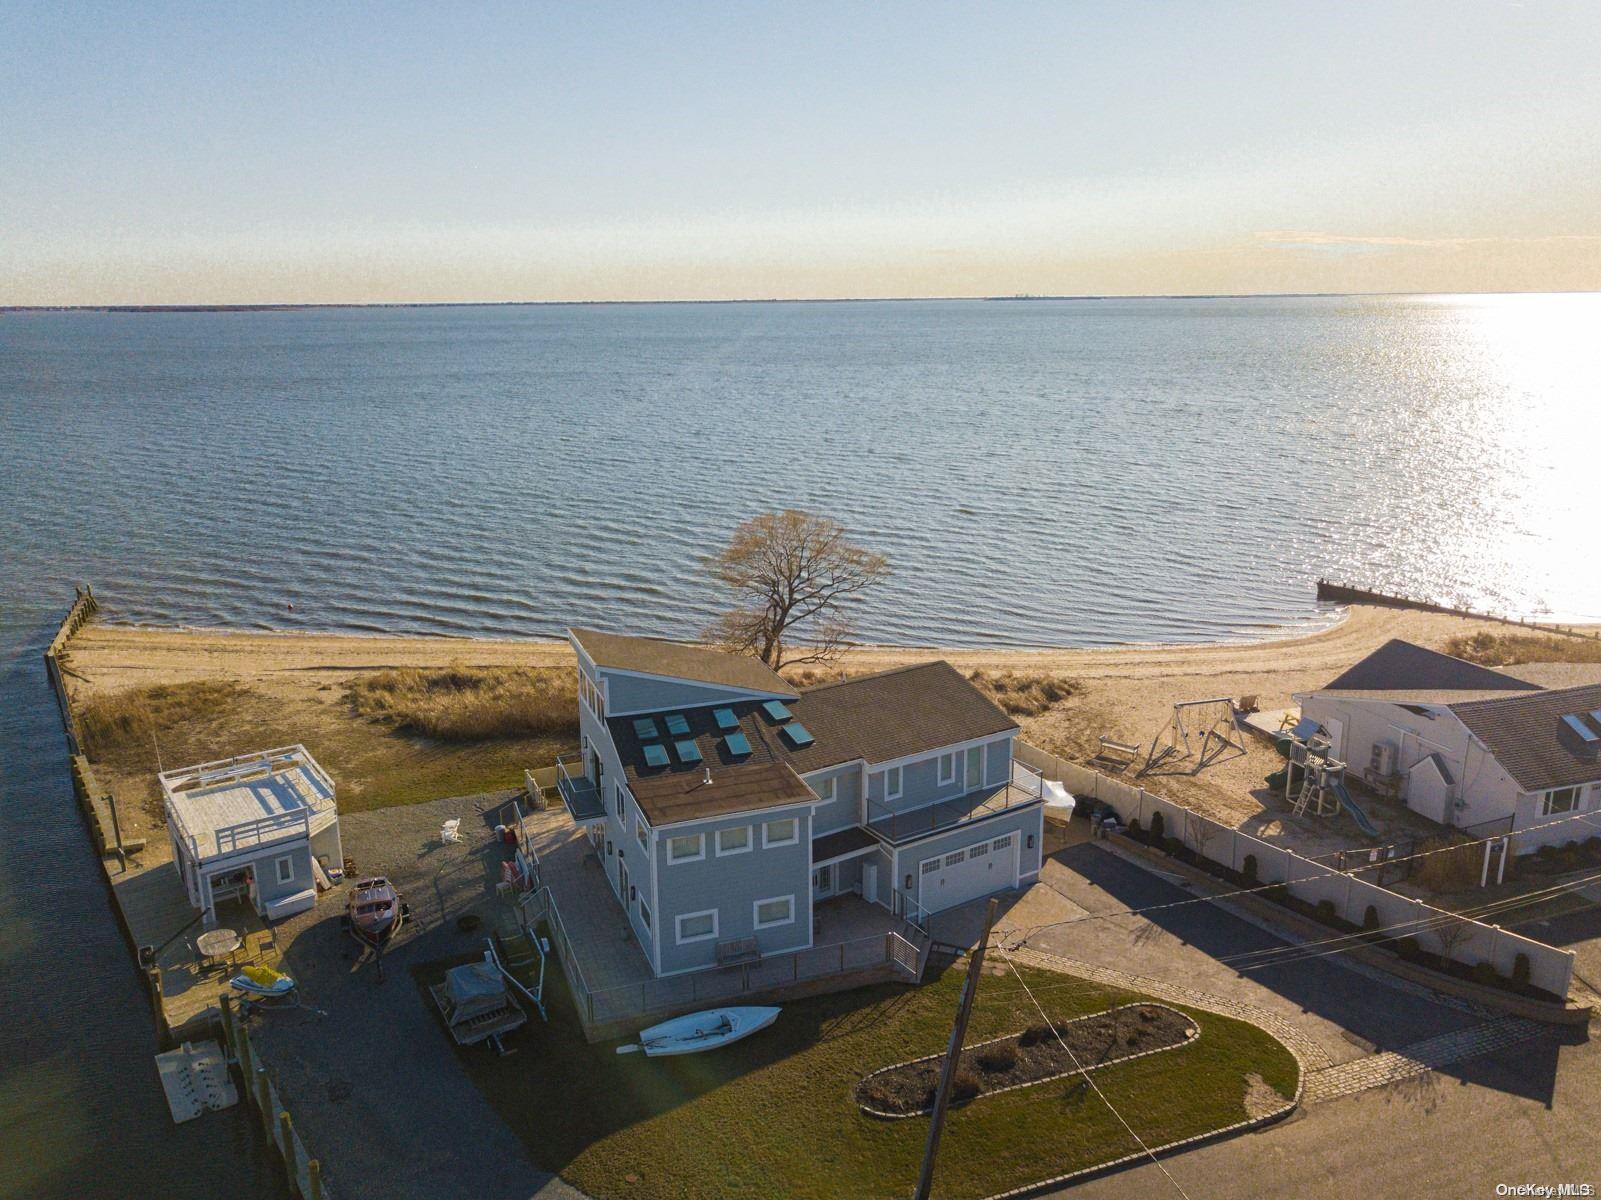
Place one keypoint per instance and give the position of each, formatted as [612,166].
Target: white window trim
[768,842]
[829,791]
[645,914]
[678,927]
[1579,801]
[674,860]
[750,841]
[947,769]
[756,908]
[278,868]
[900,783]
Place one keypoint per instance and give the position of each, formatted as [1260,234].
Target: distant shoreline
[310,305]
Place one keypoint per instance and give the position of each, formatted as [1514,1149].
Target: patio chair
[450,831]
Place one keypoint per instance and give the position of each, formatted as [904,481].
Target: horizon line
[298,305]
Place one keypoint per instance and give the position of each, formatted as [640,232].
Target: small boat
[263,982]
[374,911]
[701,1031]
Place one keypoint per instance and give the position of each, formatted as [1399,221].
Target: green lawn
[773,1116]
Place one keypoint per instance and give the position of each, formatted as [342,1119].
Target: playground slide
[1357,815]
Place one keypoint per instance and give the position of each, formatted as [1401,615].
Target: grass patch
[1509,649]
[775,1115]
[461,704]
[1024,694]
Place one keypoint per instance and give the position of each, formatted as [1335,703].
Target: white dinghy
[701,1031]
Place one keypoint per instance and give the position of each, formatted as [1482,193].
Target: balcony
[579,793]
[899,826]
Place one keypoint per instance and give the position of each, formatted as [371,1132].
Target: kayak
[699,1031]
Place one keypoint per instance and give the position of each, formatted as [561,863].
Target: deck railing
[1024,786]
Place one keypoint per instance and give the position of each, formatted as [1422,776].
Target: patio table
[217,944]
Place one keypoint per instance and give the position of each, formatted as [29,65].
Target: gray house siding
[920,783]
[266,868]
[845,810]
[1026,823]
[633,693]
[731,885]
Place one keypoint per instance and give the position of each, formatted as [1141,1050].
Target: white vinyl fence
[1464,940]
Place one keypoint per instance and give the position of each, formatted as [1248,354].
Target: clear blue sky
[215,153]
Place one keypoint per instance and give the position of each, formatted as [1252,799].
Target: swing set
[1202,730]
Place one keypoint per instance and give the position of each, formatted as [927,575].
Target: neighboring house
[723,802]
[1465,745]
[259,827]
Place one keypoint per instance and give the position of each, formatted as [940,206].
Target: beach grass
[775,1115]
[1024,693]
[463,704]
[1509,649]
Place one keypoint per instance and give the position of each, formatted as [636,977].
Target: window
[686,848]
[823,878]
[695,927]
[1004,843]
[892,784]
[783,832]
[978,851]
[780,910]
[644,913]
[640,830]
[955,857]
[591,695]
[733,841]
[827,790]
[285,867]
[1561,800]
[947,768]
[930,865]
[975,767]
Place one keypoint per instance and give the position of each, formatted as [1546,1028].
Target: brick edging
[1194,1037]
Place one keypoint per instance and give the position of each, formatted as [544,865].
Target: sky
[242,153]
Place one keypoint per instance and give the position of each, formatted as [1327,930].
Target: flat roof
[235,803]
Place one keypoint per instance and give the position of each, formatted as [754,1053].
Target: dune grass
[1024,694]
[461,704]
[1509,649]
[775,1115]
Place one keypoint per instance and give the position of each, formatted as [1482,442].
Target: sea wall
[1343,593]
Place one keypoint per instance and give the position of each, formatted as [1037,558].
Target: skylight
[776,711]
[678,724]
[688,752]
[737,744]
[1586,735]
[797,735]
[726,720]
[656,756]
[645,729]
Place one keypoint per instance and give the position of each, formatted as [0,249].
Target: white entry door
[958,876]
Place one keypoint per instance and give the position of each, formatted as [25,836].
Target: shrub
[1172,845]
[1408,948]
[1035,1034]
[1520,969]
[1023,695]
[965,1086]
[1451,864]
[1326,911]
[1505,649]
[1370,918]
[1248,868]
[1486,974]
[1158,829]
[1148,1014]
[1134,830]
[997,1058]
[1592,848]
[469,704]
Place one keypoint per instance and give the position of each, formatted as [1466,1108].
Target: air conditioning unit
[1382,762]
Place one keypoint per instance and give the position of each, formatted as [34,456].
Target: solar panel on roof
[776,710]
[798,735]
[738,745]
[1586,735]
[726,720]
[656,756]
[645,729]
[688,752]
[677,724]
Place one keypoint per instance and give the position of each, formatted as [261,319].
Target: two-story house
[725,803]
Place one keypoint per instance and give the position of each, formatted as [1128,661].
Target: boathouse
[262,828]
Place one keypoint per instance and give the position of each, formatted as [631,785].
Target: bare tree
[789,569]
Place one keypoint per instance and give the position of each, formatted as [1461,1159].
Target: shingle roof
[1526,735]
[878,718]
[840,843]
[679,660]
[1402,666]
[894,714]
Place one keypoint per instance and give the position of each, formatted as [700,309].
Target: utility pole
[953,1054]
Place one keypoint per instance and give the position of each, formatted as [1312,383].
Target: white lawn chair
[450,831]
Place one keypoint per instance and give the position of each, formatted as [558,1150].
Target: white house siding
[731,885]
[1026,823]
[1578,829]
[846,808]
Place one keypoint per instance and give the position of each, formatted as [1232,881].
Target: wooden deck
[156,911]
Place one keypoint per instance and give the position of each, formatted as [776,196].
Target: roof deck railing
[1024,786]
[243,768]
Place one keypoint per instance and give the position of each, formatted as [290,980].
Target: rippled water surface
[1039,472]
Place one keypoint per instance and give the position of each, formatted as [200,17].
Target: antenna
[707,778]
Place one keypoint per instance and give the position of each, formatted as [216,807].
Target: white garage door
[966,874]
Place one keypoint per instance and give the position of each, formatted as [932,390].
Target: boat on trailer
[374,912]
[699,1031]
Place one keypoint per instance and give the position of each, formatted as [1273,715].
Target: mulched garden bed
[1033,1056]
